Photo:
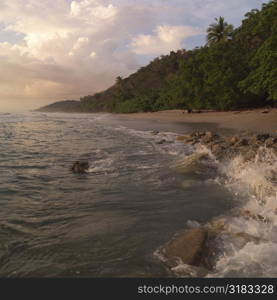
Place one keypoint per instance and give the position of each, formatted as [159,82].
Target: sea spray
[245,239]
[254,181]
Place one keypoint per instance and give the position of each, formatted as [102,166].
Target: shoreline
[241,161]
[252,121]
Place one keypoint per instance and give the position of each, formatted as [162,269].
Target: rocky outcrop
[228,147]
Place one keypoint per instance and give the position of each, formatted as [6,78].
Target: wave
[246,239]
[254,182]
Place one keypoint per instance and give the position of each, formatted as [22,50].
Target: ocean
[134,198]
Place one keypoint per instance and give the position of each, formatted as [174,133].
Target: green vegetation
[236,69]
[69,106]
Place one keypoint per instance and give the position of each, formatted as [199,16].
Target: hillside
[62,106]
[234,73]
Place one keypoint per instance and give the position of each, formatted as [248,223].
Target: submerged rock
[190,247]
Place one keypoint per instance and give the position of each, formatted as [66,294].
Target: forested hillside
[237,68]
[62,106]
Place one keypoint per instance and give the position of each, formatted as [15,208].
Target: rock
[191,142]
[233,140]
[199,134]
[270,141]
[155,132]
[217,149]
[257,217]
[161,142]
[218,225]
[80,167]
[265,111]
[209,137]
[189,246]
[259,138]
[242,142]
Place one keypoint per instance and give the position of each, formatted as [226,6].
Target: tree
[219,31]
[118,80]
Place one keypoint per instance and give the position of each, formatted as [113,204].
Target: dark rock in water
[190,247]
[80,167]
[161,142]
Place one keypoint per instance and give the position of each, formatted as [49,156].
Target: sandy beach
[258,120]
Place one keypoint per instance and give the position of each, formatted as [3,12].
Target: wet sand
[250,120]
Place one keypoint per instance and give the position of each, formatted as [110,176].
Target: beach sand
[249,120]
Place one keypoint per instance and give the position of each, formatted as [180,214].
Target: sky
[64,49]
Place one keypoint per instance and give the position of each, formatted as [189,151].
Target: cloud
[67,49]
[164,39]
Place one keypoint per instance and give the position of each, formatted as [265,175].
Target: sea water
[142,187]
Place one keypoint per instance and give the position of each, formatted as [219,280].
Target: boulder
[189,246]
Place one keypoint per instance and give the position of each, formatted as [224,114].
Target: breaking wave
[247,236]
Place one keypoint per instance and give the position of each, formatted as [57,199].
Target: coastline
[241,146]
[253,121]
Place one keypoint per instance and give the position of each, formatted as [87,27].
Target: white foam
[254,182]
[102,165]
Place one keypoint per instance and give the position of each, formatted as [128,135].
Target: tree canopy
[219,31]
[225,74]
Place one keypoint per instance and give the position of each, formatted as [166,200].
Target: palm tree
[219,31]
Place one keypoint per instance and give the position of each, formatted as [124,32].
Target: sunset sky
[63,49]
